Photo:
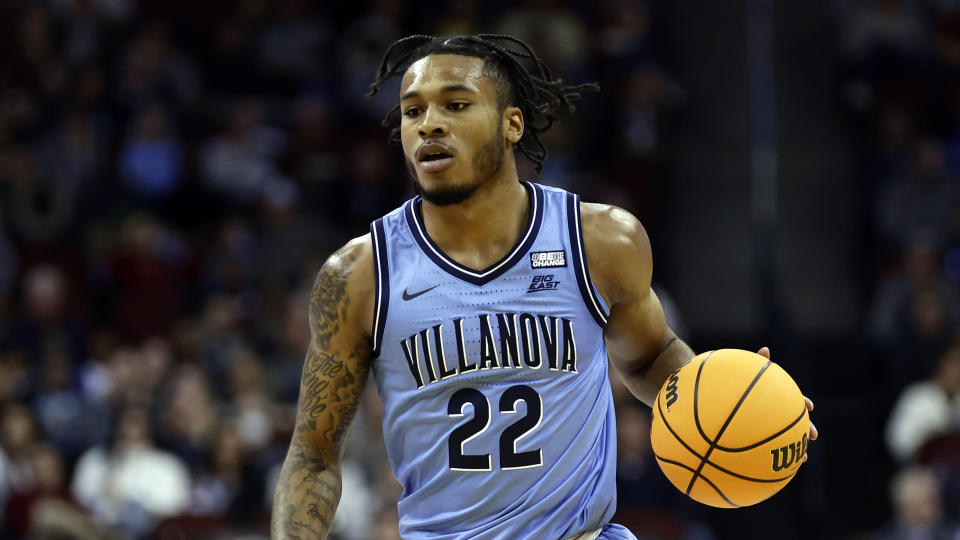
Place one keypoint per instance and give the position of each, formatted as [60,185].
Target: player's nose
[432,124]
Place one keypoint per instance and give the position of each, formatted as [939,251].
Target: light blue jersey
[498,415]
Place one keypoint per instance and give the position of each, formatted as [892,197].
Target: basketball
[730,428]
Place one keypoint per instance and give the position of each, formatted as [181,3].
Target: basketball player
[487,309]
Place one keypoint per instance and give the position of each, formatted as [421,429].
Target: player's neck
[481,230]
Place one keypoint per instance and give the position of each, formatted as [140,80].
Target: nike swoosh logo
[408,296]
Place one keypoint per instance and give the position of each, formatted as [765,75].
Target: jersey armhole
[382,278]
[591,297]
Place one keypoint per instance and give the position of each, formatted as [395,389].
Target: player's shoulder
[354,256]
[615,240]
[613,230]
[348,275]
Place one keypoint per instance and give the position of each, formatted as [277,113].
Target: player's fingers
[764,352]
[813,434]
[809,403]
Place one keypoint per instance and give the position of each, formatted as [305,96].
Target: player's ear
[513,124]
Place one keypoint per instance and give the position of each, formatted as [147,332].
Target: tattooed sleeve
[334,373]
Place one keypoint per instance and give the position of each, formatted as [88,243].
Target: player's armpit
[334,374]
[641,345]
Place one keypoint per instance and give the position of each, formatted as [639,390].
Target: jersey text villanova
[519,347]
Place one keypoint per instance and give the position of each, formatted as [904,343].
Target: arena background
[173,174]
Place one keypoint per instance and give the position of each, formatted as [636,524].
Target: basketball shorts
[612,531]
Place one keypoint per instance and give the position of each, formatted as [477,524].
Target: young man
[487,309]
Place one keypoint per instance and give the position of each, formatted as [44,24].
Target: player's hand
[765,352]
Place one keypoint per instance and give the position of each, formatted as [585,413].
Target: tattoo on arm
[308,488]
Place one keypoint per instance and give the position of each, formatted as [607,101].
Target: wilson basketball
[730,428]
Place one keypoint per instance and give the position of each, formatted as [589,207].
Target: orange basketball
[730,428]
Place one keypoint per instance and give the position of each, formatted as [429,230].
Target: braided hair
[532,88]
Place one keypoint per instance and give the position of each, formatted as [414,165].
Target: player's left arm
[642,347]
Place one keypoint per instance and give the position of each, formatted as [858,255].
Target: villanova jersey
[498,416]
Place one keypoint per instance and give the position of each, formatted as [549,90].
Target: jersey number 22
[510,458]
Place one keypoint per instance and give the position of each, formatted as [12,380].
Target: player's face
[451,127]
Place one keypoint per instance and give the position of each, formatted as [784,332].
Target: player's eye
[411,112]
[457,106]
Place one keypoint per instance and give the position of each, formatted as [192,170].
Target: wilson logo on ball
[784,456]
[672,390]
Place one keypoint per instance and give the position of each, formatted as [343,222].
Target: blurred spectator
[553,30]
[219,335]
[231,53]
[914,314]
[288,47]
[90,95]
[147,267]
[369,487]
[34,66]
[44,324]
[121,386]
[188,416]
[648,94]
[239,163]
[83,36]
[461,18]
[312,155]
[71,422]
[93,374]
[152,156]
[362,44]
[926,409]
[250,407]
[129,483]
[892,148]
[229,488]
[152,70]
[157,359]
[44,508]
[15,381]
[290,334]
[40,210]
[359,503]
[72,154]
[624,33]
[132,376]
[291,239]
[374,185]
[367,446]
[923,201]
[918,509]
[231,264]
[883,27]
[19,432]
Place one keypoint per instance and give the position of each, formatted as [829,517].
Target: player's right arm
[334,374]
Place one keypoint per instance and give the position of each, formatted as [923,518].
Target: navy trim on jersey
[382,271]
[590,296]
[479,277]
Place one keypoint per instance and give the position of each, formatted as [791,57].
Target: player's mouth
[434,157]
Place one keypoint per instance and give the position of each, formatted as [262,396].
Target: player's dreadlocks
[538,95]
